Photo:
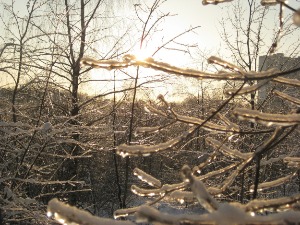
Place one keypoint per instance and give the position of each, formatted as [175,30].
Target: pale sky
[192,13]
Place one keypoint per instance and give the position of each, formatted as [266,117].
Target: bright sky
[190,13]
[193,13]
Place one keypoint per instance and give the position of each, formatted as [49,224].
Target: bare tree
[272,129]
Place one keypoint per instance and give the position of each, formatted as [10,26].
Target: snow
[66,214]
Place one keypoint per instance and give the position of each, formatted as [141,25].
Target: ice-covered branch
[196,121]
[145,150]
[233,153]
[66,214]
[248,89]
[287,97]
[161,193]
[223,63]
[152,181]
[145,192]
[131,60]
[214,2]
[277,203]
[183,196]
[227,121]
[199,190]
[267,119]
[268,2]
[274,183]
[292,161]
[226,215]
[288,81]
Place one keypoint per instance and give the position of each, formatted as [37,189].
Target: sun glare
[142,54]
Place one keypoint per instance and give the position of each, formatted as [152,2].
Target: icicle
[267,118]
[217,172]
[147,178]
[291,159]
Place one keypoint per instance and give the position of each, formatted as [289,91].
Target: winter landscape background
[122,112]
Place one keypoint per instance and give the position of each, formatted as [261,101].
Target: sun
[142,54]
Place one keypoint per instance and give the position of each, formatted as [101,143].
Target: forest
[95,131]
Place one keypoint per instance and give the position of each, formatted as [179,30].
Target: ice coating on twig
[147,129]
[224,63]
[228,214]
[231,125]
[248,89]
[66,214]
[183,196]
[287,97]
[152,181]
[292,161]
[131,60]
[274,183]
[199,190]
[196,121]
[145,150]
[233,153]
[269,2]
[214,2]
[288,81]
[145,192]
[283,203]
[267,119]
